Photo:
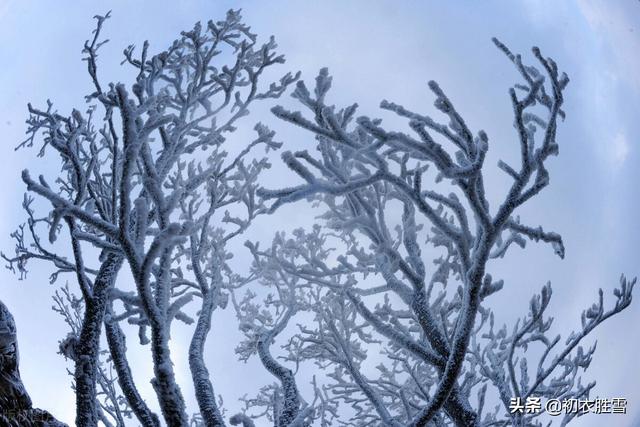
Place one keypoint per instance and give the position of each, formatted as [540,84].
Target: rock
[16,409]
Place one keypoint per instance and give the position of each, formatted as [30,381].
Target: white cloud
[619,149]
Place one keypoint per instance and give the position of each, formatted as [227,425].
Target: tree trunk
[118,348]
[199,372]
[88,348]
[164,383]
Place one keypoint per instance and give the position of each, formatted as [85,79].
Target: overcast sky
[375,50]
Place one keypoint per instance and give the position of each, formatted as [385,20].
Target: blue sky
[376,50]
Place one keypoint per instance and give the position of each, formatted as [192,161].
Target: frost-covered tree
[287,297]
[151,194]
[148,181]
[392,199]
[112,407]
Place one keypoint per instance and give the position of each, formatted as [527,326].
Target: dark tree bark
[89,345]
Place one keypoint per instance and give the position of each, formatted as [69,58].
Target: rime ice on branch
[389,197]
[149,181]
